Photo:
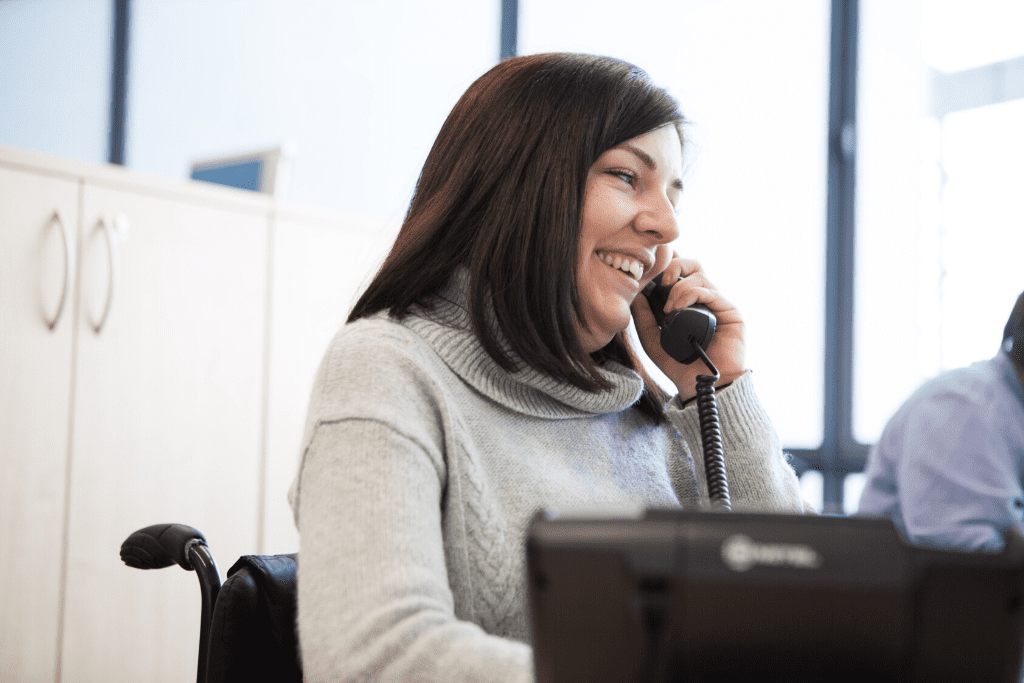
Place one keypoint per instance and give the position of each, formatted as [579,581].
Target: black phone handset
[686,334]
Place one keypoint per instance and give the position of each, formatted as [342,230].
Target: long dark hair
[501,194]
[1015,330]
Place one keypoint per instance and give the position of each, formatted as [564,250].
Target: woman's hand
[727,350]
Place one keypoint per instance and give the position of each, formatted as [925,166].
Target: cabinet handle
[50,324]
[105,228]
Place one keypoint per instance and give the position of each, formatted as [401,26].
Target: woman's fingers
[690,285]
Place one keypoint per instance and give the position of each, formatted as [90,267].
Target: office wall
[356,91]
[55,76]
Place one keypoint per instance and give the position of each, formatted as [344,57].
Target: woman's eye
[625,175]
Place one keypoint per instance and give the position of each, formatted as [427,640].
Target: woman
[485,374]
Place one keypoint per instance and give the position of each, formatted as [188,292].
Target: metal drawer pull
[102,225]
[50,324]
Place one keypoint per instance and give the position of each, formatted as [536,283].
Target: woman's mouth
[626,264]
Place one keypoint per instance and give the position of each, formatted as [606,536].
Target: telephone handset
[686,334]
[678,326]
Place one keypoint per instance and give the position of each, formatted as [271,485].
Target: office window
[752,78]
[354,92]
[940,230]
[55,77]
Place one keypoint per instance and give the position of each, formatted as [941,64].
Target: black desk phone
[683,329]
[686,333]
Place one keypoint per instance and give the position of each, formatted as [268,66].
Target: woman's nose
[659,220]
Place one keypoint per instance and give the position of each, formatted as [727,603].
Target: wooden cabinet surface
[37,214]
[167,420]
[172,388]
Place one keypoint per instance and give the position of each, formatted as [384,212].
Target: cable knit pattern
[422,465]
[493,554]
[449,329]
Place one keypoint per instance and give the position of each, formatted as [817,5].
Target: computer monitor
[692,596]
[263,171]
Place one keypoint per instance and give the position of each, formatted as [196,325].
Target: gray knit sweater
[422,464]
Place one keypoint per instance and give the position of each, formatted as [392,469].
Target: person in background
[949,466]
[485,374]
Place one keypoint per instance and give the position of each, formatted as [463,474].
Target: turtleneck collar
[448,329]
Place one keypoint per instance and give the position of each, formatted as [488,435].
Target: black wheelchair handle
[160,545]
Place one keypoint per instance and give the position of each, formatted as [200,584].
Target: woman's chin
[593,341]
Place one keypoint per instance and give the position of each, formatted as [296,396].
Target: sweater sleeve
[374,602]
[759,474]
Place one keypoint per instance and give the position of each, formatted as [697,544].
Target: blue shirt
[948,466]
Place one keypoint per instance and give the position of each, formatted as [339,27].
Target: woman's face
[628,220]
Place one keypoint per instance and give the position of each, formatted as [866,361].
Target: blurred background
[353,93]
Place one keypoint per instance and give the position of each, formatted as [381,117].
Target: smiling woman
[628,220]
[501,195]
[485,375]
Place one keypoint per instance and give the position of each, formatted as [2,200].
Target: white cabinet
[187,404]
[37,214]
[320,265]
[167,419]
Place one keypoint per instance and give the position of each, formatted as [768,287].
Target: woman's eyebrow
[644,157]
[649,163]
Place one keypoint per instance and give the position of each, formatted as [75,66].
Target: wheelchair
[248,629]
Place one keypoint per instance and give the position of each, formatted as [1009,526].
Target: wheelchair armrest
[160,545]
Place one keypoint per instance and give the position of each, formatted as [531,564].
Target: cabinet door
[38,218]
[319,268]
[168,410]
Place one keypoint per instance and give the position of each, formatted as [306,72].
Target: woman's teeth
[625,264]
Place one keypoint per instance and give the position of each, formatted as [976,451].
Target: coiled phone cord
[711,436]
